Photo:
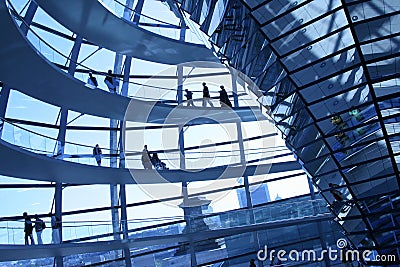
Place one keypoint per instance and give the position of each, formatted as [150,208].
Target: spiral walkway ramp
[120,35]
[301,152]
[42,168]
[57,88]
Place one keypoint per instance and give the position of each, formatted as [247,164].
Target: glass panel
[329,66]
[305,136]
[380,48]
[377,28]
[273,74]
[314,31]
[375,187]
[364,153]
[317,51]
[263,214]
[371,169]
[298,17]
[333,85]
[384,68]
[392,125]
[387,87]
[367,9]
[273,8]
[341,102]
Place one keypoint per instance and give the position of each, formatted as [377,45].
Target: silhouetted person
[111,82]
[155,159]
[189,97]
[28,229]
[146,159]
[55,226]
[223,97]
[157,163]
[335,192]
[252,263]
[39,227]
[206,96]
[97,154]
[92,80]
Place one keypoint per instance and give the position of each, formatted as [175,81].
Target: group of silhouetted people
[39,225]
[149,161]
[223,97]
[110,80]
[113,83]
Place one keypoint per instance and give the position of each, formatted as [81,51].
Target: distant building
[259,194]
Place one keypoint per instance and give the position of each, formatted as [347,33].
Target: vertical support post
[114,210]
[74,55]
[311,187]
[122,192]
[58,213]
[240,141]
[179,92]
[182,164]
[124,213]
[113,164]
[128,9]
[138,10]
[114,149]
[114,187]
[125,81]
[185,195]
[61,141]
[122,189]
[182,31]
[113,161]
[64,112]
[58,206]
[124,221]
[243,161]
[30,13]
[5,94]
[234,76]
[61,133]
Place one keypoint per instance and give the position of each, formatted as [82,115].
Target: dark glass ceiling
[328,71]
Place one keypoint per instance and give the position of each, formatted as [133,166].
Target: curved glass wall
[329,76]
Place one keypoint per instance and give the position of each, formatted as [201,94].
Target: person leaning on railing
[97,154]
[55,226]
[39,227]
[111,82]
[28,229]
